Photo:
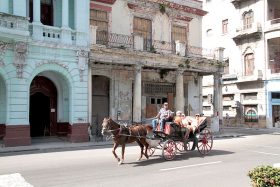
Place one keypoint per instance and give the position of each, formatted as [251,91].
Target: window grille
[158,88]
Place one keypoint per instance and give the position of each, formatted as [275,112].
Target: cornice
[105,1]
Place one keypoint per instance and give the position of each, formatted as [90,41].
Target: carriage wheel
[151,151]
[205,142]
[169,150]
[180,146]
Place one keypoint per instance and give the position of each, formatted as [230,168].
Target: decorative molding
[83,58]
[105,1]
[3,47]
[138,68]
[52,62]
[180,72]
[20,56]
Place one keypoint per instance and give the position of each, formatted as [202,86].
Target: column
[37,11]
[89,94]
[65,13]
[19,8]
[137,94]
[4,6]
[217,118]
[81,19]
[179,99]
[66,31]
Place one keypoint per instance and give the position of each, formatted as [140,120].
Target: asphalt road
[227,165]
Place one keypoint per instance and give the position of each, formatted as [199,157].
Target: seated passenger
[162,117]
[190,123]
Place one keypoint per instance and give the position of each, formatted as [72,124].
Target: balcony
[15,25]
[51,34]
[138,43]
[248,31]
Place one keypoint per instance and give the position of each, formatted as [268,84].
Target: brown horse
[124,135]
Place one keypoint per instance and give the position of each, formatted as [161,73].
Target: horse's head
[105,126]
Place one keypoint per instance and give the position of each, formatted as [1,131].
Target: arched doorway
[43,107]
[100,102]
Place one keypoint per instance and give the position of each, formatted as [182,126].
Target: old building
[144,53]
[43,70]
[249,32]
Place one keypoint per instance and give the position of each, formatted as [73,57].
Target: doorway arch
[43,107]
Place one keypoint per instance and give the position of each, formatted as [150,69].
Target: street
[226,165]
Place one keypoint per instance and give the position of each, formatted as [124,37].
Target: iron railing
[114,40]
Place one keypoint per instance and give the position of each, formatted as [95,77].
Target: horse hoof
[138,159]
[120,162]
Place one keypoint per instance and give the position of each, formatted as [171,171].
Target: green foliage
[265,176]
[162,8]
[152,49]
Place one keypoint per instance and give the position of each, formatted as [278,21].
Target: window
[225,26]
[275,95]
[250,96]
[249,64]
[251,113]
[228,97]
[143,27]
[206,108]
[247,20]
[100,19]
[226,108]
[179,33]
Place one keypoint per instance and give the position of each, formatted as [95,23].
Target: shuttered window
[143,27]
[100,19]
[249,64]
[179,33]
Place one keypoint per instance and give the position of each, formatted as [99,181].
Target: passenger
[162,117]
[178,118]
[191,123]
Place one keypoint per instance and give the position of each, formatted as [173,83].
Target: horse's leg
[114,151]
[146,147]
[123,150]
[142,147]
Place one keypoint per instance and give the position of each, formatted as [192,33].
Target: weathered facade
[43,70]
[249,32]
[144,53]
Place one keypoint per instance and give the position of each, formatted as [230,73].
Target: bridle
[109,129]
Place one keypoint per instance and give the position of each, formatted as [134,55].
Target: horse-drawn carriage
[170,141]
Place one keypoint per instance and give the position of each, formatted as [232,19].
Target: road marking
[270,147]
[188,166]
[14,179]
[274,154]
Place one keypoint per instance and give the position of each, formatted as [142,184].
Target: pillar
[66,31]
[20,8]
[179,99]
[217,118]
[4,6]
[65,13]
[137,94]
[37,11]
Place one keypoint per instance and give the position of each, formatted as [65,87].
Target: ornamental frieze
[83,57]
[52,62]
[3,47]
[20,57]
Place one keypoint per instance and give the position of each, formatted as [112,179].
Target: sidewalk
[57,143]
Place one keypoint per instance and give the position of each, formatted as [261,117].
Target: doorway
[43,107]
[100,102]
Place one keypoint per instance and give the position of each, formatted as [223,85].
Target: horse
[124,135]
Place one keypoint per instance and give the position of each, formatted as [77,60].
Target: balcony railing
[51,33]
[114,40]
[275,21]
[13,22]
[136,42]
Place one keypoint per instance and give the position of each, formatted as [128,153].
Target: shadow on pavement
[157,159]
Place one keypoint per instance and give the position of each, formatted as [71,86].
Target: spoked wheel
[205,142]
[151,151]
[169,150]
[180,146]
